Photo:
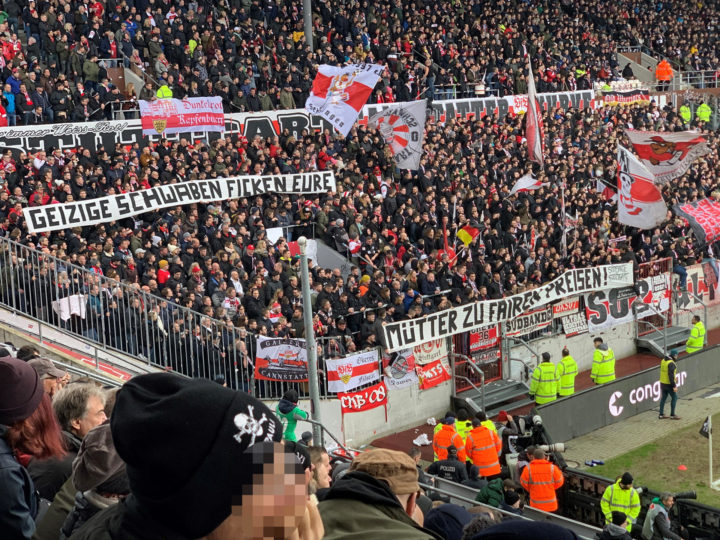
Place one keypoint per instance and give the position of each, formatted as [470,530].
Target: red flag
[534,132]
[293,248]
[640,202]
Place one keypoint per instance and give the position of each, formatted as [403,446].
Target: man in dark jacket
[449,469]
[375,499]
[616,529]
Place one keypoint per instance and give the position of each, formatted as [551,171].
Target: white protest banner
[189,115]
[399,369]
[281,359]
[403,334]
[345,374]
[574,324]
[402,125]
[431,351]
[531,321]
[55,217]
[606,309]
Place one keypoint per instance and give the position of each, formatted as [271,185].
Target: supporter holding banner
[114,207]
[402,334]
[649,296]
[640,202]
[281,359]
[402,125]
[667,155]
[345,374]
[704,218]
[166,116]
[339,93]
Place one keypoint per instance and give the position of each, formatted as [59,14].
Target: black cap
[626,479]
[546,356]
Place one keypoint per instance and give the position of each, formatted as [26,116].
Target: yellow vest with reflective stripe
[489,424]
[696,341]
[664,371]
[603,368]
[463,427]
[620,500]
[164,92]
[565,374]
[544,383]
[685,113]
[703,112]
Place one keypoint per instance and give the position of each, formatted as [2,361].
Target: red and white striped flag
[339,93]
[534,132]
[527,183]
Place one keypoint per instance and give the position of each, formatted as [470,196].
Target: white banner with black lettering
[606,309]
[446,323]
[55,217]
[529,322]
[574,324]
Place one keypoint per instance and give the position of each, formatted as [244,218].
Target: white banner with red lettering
[364,400]
[189,115]
[432,374]
[431,351]
[345,374]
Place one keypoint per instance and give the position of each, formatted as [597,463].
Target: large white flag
[534,132]
[345,374]
[640,202]
[667,155]
[527,183]
[402,125]
[339,93]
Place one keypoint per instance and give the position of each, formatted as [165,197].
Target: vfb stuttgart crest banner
[345,374]
[667,155]
[339,93]
[281,359]
[190,115]
[402,125]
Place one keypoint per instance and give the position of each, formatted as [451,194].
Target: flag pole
[564,220]
[710,447]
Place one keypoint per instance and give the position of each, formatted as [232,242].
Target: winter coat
[359,506]
[492,494]
[614,532]
[18,499]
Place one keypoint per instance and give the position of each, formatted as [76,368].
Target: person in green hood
[657,520]
[289,413]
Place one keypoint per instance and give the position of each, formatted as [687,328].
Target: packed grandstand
[203,289]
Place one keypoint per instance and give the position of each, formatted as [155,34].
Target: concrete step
[499,395]
[654,341]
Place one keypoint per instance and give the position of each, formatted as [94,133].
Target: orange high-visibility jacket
[540,479]
[444,439]
[663,71]
[483,447]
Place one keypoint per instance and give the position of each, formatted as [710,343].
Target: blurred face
[322,472]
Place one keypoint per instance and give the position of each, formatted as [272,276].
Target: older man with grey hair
[657,519]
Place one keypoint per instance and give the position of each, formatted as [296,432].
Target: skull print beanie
[185,444]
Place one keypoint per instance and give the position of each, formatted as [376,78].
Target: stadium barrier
[597,407]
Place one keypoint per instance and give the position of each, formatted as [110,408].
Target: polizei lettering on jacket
[114,207]
[403,334]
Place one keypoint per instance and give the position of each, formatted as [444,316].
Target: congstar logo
[614,409]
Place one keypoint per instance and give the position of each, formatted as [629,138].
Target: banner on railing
[484,338]
[403,334]
[281,359]
[431,351]
[701,282]
[261,124]
[628,97]
[399,369]
[345,374]
[55,217]
[364,400]
[571,305]
[432,374]
[187,115]
[574,324]
[606,309]
[529,322]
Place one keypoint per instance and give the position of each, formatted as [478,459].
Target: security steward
[483,447]
[603,366]
[164,92]
[447,437]
[451,468]
[565,373]
[543,386]
[480,415]
[463,425]
[696,341]
[540,479]
[621,497]
[668,385]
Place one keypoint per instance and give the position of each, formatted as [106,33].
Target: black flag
[705,429]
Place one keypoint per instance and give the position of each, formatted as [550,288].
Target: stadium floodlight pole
[307,23]
[310,342]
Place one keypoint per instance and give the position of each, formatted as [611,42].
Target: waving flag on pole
[339,93]
[667,155]
[704,218]
[606,191]
[640,202]
[402,125]
[527,183]
[467,234]
[534,132]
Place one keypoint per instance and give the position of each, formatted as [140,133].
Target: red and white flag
[167,116]
[640,202]
[667,155]
[606,191]
[345,374]
[534,132]
[527,183]
[339,93]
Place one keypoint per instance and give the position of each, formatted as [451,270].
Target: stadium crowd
[55,55]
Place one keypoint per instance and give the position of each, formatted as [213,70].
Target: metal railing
[132,320]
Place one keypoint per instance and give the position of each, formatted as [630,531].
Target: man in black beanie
[202,461]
